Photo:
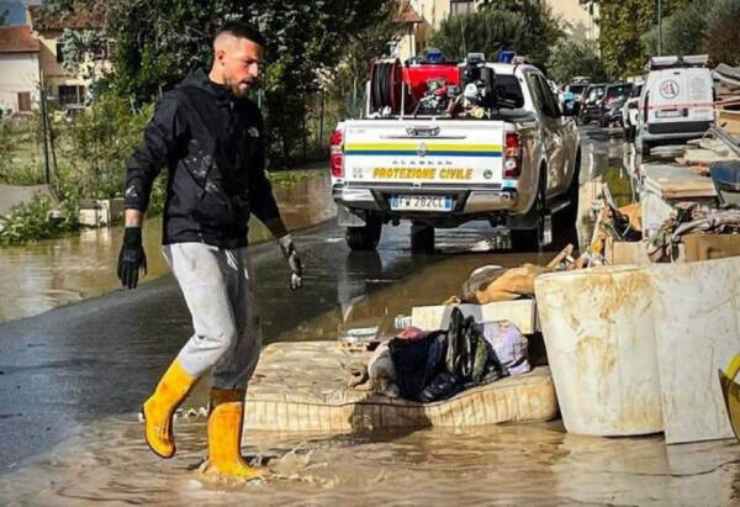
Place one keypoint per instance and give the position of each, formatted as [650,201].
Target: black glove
[294,262]
[132,258]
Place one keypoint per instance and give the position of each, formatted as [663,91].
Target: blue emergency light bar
[505,56]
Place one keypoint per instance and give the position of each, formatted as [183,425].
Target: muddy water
[38,277]
[536,464]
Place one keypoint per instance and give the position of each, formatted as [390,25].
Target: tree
[487,32]
[683,30]
[347,81]
[158,43]
[572,57]
[622,25]
[530,33]
[722,37]
[542,29]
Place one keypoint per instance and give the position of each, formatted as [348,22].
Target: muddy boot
[225,424]
[160,407]
[731,393]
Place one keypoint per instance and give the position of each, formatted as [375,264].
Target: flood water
[40,276]
[535,464]
[106,461]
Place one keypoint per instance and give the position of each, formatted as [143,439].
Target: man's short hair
[242,31]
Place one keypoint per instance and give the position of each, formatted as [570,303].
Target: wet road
[101,357]
[72,378]
[67,367]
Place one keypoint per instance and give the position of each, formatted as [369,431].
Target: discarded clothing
[492,283]
[416,363]
[412,334]
[510,345]
[446,362]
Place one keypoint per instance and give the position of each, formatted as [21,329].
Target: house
[67,88]
[422,17]
[20,69]
[579,17]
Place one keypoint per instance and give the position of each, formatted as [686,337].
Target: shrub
[33,220]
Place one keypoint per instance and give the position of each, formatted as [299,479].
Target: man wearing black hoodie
[210,137]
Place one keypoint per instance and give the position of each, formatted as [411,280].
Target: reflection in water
[38,277]
[536,464]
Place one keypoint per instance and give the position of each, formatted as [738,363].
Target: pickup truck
[513,166]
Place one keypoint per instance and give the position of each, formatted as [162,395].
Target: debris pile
[688,218]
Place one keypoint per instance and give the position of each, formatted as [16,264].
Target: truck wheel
[645,149]
[366,237]
[422,238]
[524,240]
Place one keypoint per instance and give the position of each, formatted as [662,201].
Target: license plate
[421,203]
[669,114]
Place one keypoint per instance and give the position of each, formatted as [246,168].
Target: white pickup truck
[512,166]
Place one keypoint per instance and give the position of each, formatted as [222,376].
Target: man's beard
[238,88]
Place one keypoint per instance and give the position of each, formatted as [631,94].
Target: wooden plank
[671,181]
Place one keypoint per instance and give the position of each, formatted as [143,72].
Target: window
[24,102]
[60,52]
[71,95]
[549,103]
[461,7]
[534,89]
[507,87]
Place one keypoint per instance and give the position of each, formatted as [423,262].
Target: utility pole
[660,28]
[46,133]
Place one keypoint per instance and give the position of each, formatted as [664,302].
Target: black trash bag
[417,363]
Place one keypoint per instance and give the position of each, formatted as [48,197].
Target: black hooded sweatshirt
[212,144]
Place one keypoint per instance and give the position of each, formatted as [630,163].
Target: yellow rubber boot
[731,393]
[160,407]
[225,424]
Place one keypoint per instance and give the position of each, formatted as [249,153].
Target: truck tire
[366,237]
[422,238]
[645,148]
[526,240]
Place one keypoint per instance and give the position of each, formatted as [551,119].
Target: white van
[676,103]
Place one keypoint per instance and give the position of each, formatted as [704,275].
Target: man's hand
[132,258]
[291,255]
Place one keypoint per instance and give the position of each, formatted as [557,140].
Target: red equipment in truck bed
[416,76]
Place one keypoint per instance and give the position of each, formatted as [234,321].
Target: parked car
[612,102]
[590,108]
[677,101]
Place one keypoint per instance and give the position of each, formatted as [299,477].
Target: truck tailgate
[424,153]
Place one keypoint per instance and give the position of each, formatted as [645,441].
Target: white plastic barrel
[598,328]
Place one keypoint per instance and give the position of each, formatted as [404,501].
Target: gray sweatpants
[218,286]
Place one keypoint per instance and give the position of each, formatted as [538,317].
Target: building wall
[54,73]
[578,19]
[20,73]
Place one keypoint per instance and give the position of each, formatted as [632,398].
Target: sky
[16,10]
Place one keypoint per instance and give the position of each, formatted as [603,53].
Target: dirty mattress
[302,386]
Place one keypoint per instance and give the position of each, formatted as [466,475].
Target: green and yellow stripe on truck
[425,147]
